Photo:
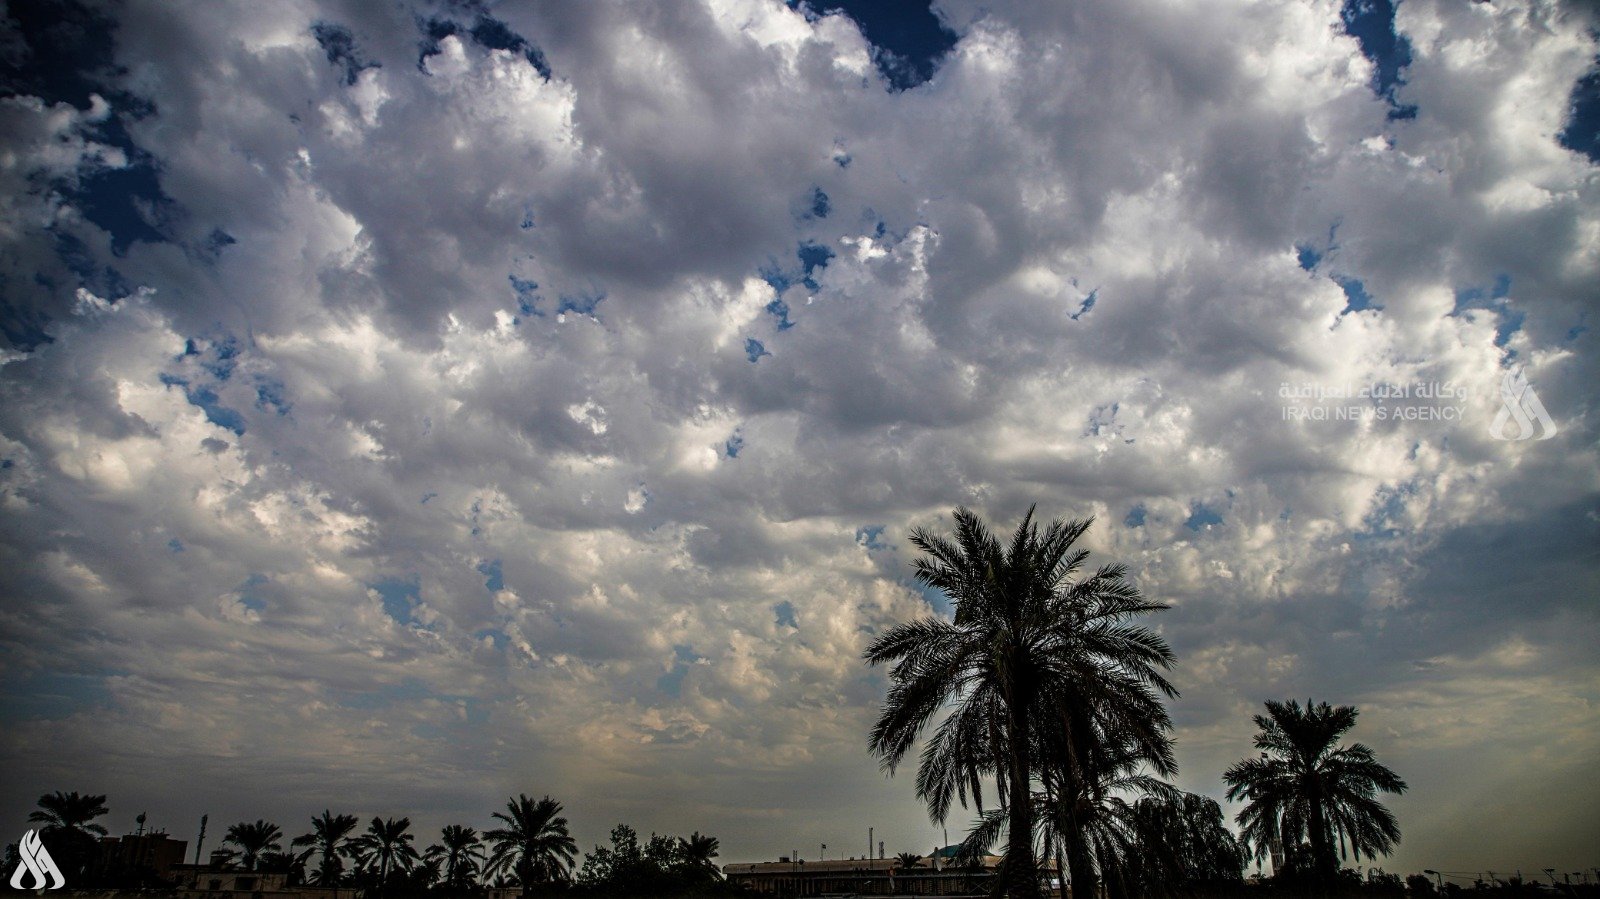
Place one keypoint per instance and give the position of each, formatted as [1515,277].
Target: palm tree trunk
[1323,859]
[1080,864]
[1022,871]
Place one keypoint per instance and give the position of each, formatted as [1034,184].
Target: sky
[408,405]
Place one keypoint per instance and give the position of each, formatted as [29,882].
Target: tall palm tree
[69,829]
[1037,661]
[459,853]
[387,844]
[534,846]
[253,840]
[699,853]
[330,839]
[1305,788]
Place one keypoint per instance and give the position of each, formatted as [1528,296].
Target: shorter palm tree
[289,864]
[386,846]
[330,839]
[69,829]
[699,853]
[534,845]
[459,853]
[1306,789]
[905,861]
[73,812]
[254,840]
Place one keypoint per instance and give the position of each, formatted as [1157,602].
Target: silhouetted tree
[1305,787]
[69,830]
[1040,665]
[699,853]
[253,840]
[386,847]
[534,846]
[459,854]
[1183,845]
[290,864]
[330,839]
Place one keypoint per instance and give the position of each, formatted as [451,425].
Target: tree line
[531,848]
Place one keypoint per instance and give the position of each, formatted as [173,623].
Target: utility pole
[869,846]
[200,842]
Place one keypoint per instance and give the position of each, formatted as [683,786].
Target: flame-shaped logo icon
[36,861]
[1520,404]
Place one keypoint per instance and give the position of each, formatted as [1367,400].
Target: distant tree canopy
[663,864]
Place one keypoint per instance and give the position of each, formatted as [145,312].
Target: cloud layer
[407,406]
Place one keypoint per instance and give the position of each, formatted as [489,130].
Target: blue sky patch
[820,207]
[399,597]
[269,395]
[493,577]
[784,612]
[754,349]
[1371,23]
[487,32]
[1307,257]
[780,310]
[1086,305]
[247,595]
[527,293]
[580,303]
[224,357]
[908,39]
[207,400]
[1582,131]
[671,683]
[1495,299]
[871,537]
[1201,517]
[812,257]
[1355,295]
[58,42]
[340,45]
[735,444]
[1135,517]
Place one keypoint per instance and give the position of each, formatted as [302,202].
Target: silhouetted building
[936,875]
[153,852]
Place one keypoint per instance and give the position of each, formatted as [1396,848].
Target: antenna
[202,841]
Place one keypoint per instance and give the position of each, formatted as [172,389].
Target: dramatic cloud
[405,405]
